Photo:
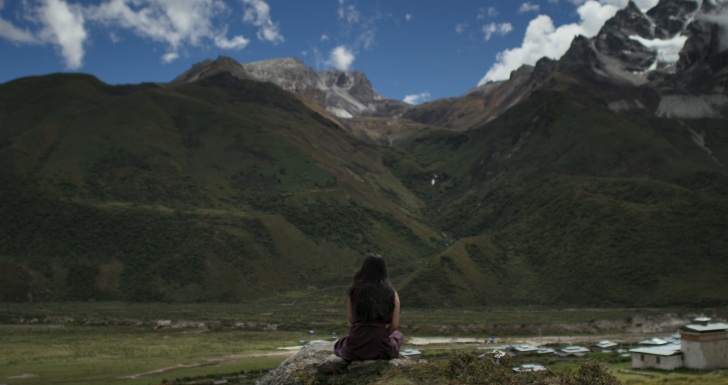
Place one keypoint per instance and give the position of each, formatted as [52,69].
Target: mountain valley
[598,179]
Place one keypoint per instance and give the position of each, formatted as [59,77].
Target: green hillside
[562,201]
[220,190]
[233,190]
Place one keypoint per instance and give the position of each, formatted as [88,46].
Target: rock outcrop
[317,358]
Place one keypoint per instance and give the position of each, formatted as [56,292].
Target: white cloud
[501,29]
[175,23]
[16,35]
[64,27]
[348,12]
[489,12]
[170,57]
[417,98]
[258,14]
[325,37]
[341,58]
[171,22]
[367,37]
[358,29]
[528,7]
[236,43]
[644,5]
[461,27]
[409,17]
[543,39]
[61,25]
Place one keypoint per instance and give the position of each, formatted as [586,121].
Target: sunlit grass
[97,354]
[100,343]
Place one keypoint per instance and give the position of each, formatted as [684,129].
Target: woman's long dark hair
[371,293]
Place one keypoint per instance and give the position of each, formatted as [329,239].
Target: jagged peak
[286,62]
[632,7]
[223,60]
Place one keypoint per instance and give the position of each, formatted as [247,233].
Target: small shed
[654,342]
[411,353]
[705,344]
[574,350]
[528,368]
[545,350]
[523,350]
[604,346]
[665,357]
[496,352]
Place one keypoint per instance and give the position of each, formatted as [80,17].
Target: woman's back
[373,307]
[372,303]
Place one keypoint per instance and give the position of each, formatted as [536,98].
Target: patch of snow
[612,68]
[668,50]
[692,107]
[340,112]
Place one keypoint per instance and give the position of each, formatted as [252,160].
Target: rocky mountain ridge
[343,94]
[669,57]
[670,61]
[673,54]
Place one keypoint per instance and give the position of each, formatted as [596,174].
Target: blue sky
[414,50]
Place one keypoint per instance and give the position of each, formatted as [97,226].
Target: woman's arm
[395,314]
[351,313]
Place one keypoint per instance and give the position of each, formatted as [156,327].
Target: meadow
[120,343]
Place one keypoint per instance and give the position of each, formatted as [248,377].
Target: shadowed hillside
[224,189]
[562,201]
[234,190]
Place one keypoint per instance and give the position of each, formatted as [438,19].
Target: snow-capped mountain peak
[344,94]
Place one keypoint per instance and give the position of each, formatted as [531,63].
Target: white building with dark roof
[705,344]
[665,357]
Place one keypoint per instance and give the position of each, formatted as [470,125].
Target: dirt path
[206,362]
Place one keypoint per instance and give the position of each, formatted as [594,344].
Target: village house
[654,342]
[665,357]
[523,349]
[702,345]
[604,346]
[574,350]
[705,344]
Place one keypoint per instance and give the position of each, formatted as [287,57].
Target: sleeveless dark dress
[369,341]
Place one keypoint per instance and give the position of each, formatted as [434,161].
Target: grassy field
[77,354]
[101,343]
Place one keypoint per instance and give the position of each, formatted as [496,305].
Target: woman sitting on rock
[373,314]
